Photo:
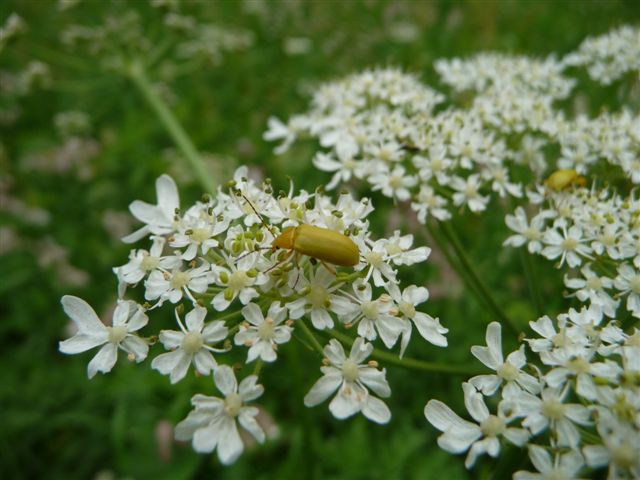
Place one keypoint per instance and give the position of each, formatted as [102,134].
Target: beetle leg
[328,267]
[296,258]
[287,256]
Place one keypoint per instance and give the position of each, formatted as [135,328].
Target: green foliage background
[56,423]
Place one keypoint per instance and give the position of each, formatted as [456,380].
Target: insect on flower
[561,179]
[323,244]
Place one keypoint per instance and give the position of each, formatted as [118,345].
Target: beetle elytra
[320,243]
[561,179]
[326,246]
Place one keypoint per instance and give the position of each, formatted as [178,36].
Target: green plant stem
[179,136]
[257,368]
[453,239]
[410,363]
[314,341]
[453,263]
[532,283]
[229,316]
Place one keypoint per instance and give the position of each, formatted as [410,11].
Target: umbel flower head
[216,265]
[595,230]
[576,401]
[386,129]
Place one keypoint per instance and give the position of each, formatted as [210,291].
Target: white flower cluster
[579,401]
[13,26]
[382,127]
[220,256]
[490,73]
[586,142]
[594,230]
[121,37]
[610,56]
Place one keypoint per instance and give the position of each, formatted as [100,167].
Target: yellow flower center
[238,280]
[149,263]
[553,409]
[507,372]
[492,426]
[370,310]
[179,279]
[569,244]
[199,235]
[318,296]
[350,370]
[266,329]
[232,404]
[192,342]
[117,334]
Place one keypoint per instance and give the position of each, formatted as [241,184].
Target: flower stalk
[408,363]
[473,276]
[139,77]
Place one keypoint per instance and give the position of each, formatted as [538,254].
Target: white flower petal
[204,362]
[475,403]
[104,360]
[253,314]
[249,423]
[171,339]
[182,366]
[322,389]
[230,445]
[195,319]
[81,343]
[444,419]
[82,315]
[186,428]
[135,345]
[206,439]
[225,379]
[375,380]
[166,362]
[376,410]
[494,341]
[249,388]
[346,403]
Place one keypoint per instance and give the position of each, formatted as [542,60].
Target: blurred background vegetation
[65,186]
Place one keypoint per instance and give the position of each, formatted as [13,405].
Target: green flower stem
[229,316]
[589,437]
[605,265]
[453,239]
[307,331]
[410,363]
[179,136]
[257,368]
[453,262]
[532,283]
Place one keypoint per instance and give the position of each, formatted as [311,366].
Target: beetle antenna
[268,227]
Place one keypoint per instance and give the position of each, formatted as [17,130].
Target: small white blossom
[351,379]
[159,219]
[563,466]
[190,345]
[213,424]
[263,334]
[628,283]
[372,316]
[478,438]
[128,318]
[569,246]
[509,371]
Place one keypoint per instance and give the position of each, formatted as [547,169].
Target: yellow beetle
[325,245]
[320,243]
[561,179]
